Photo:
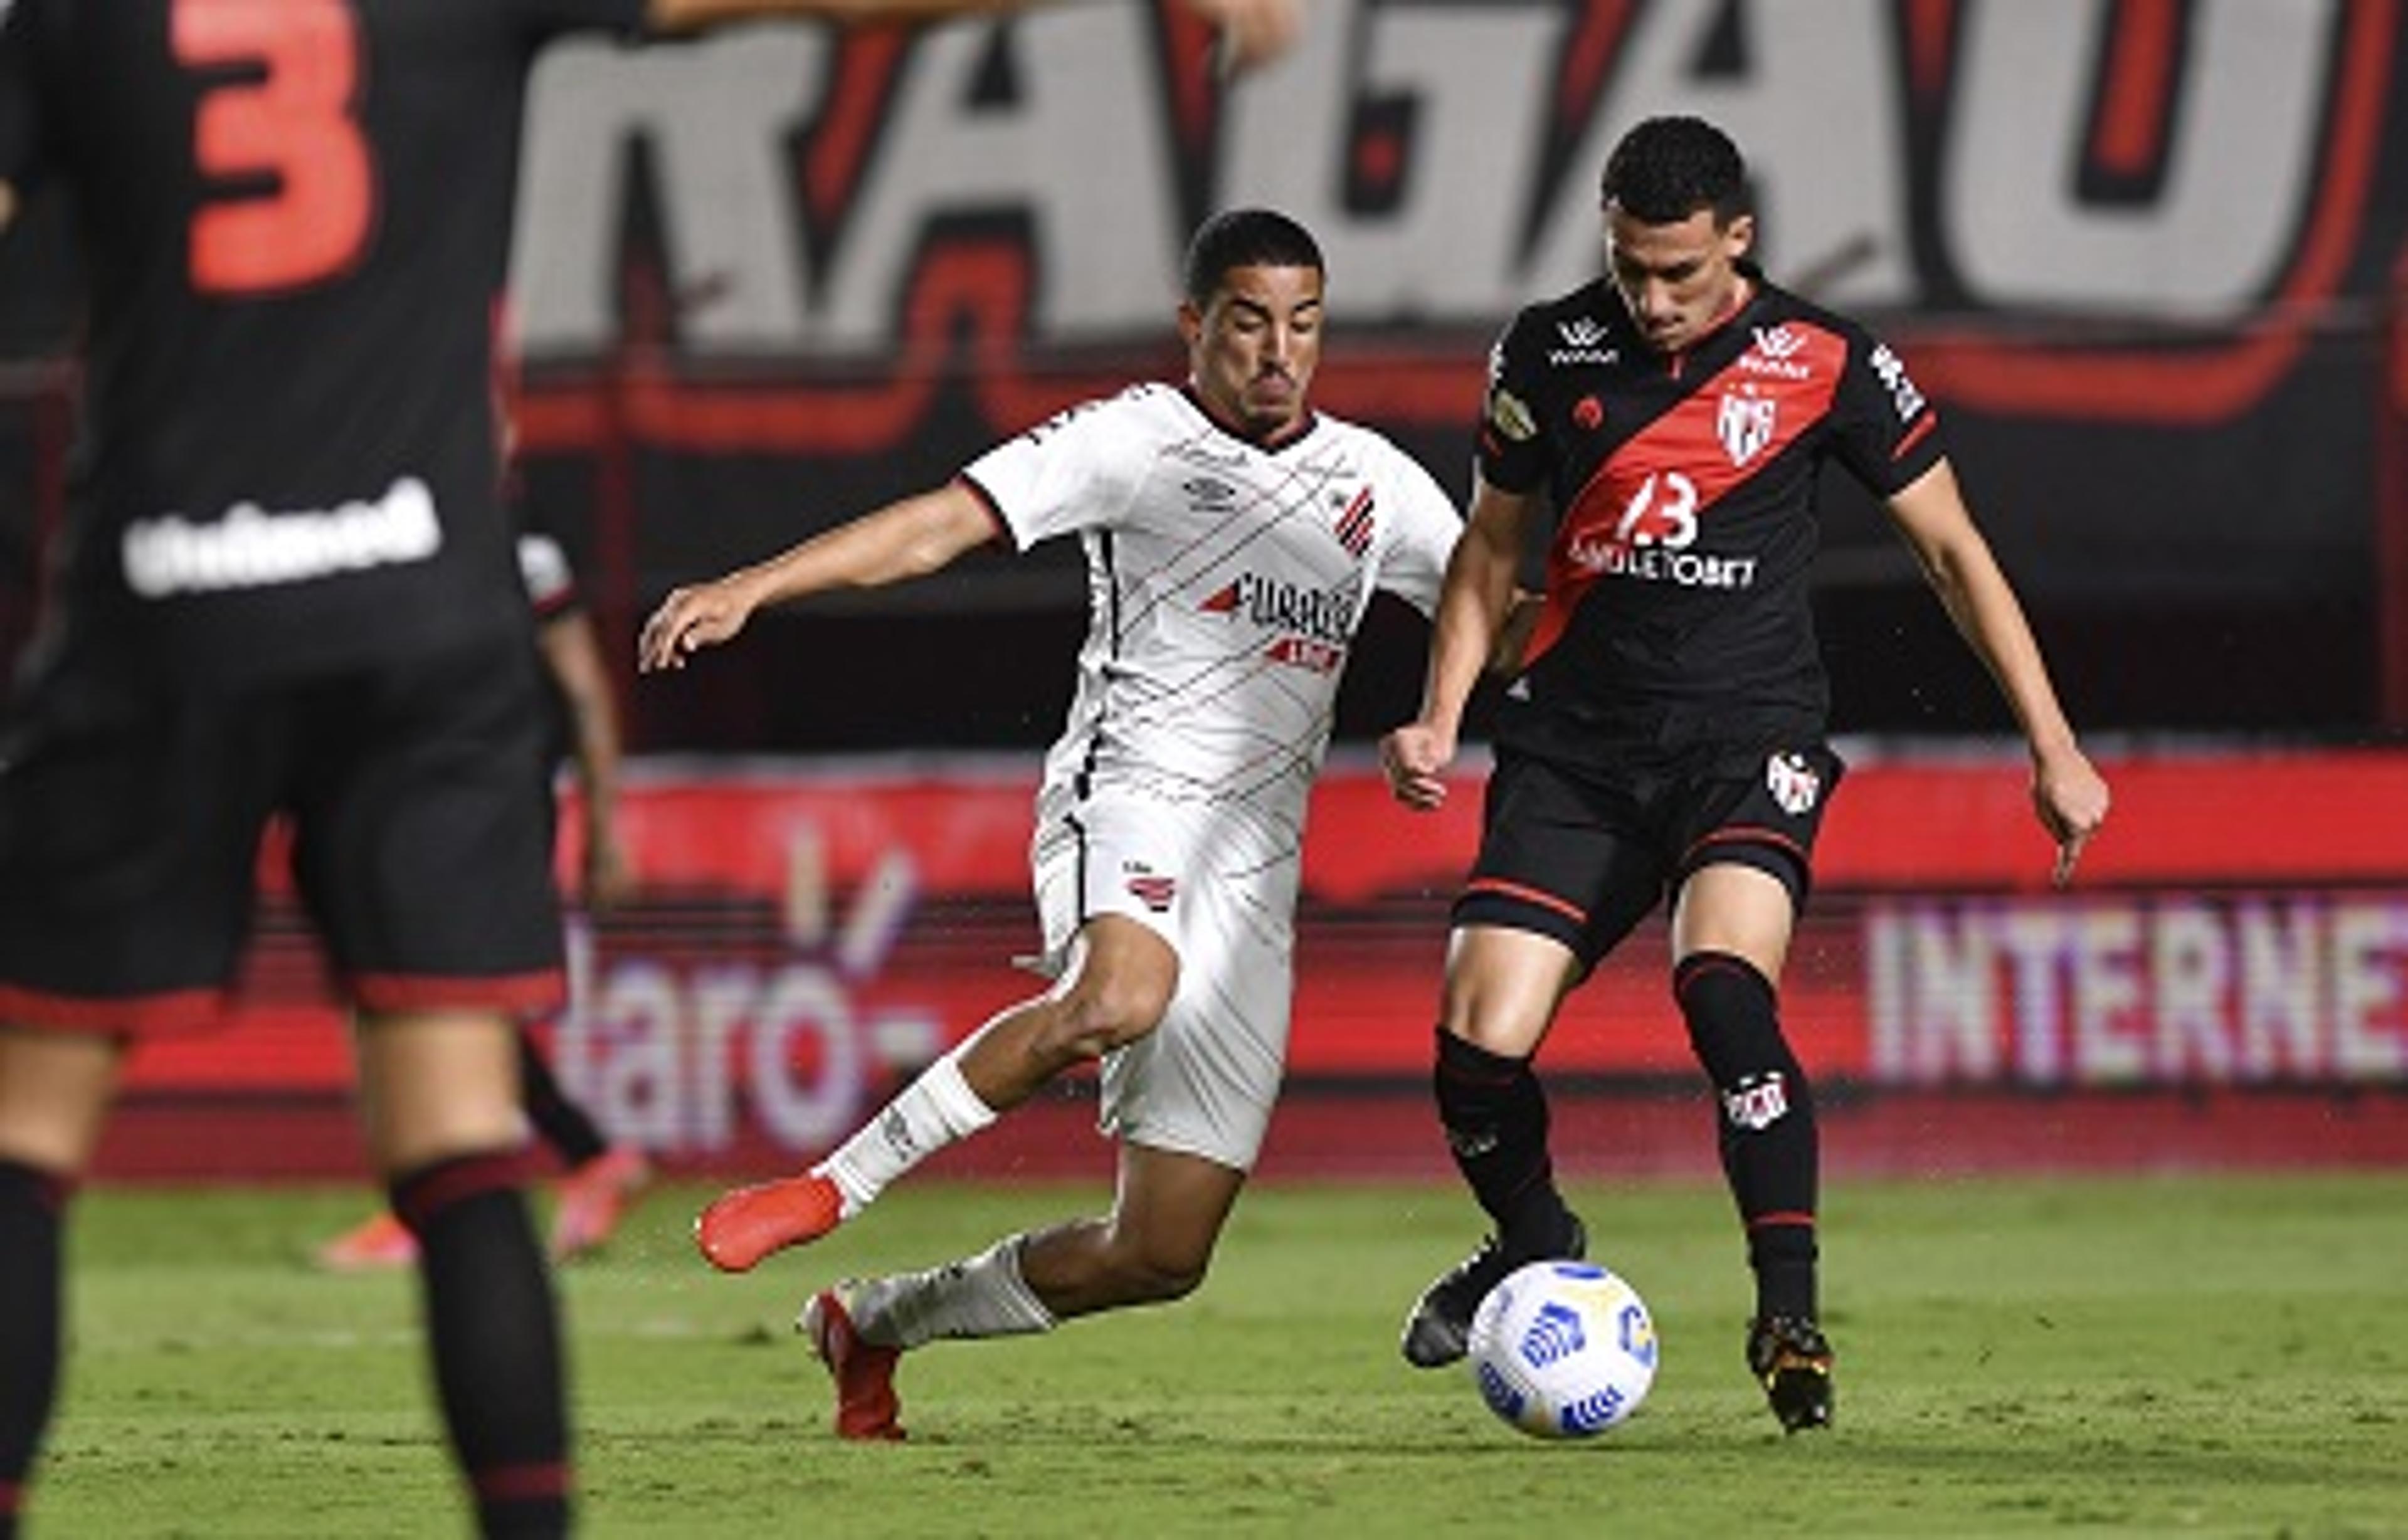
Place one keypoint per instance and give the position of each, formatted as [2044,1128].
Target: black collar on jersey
[1751,275]
[1306,422]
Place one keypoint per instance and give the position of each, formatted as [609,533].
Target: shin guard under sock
[1765,1118]
[494,1335]
[1495,1115]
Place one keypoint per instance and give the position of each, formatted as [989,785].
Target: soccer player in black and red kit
[1663,733]
[287,587]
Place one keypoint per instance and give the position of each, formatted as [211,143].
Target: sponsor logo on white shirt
[1324,615]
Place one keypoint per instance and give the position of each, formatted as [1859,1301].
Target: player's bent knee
[1147,1276]
[1106,1015]
[1502,988]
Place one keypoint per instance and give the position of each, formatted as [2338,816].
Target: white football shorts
[1203,1082]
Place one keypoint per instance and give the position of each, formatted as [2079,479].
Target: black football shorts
[1584,856]
[131,815]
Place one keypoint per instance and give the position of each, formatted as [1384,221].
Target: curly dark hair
[1665,169]
[1245,237]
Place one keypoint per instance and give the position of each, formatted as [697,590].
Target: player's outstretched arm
[2068,793]
[7,205]
[1472,608]
[1253,32]
[902,540]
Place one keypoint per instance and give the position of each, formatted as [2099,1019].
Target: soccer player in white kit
[1233,540]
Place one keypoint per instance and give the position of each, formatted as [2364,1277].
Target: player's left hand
[2071,799]
[608,880]
[1414,759]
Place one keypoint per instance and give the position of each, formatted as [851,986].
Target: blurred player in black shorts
[1663,732]
[286,588]
[603,1179]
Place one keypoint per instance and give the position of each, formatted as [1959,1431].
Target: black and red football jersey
[294,217]
[1684,489]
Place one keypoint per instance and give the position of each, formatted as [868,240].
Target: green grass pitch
[2202,1355]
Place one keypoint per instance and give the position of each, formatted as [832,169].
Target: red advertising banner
[810,937]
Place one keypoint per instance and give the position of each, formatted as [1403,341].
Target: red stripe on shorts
[169,1011]
[1528,896]
[1747,834]
[519,993]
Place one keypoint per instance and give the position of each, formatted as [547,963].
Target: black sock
[495,1335]
[1765,1114]
[565,1125]
[1495,1115]
[32,1207]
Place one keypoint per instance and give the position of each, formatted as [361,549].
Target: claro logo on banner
[809,197]
[677,1048]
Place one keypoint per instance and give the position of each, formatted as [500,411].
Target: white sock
[983,1296]
[926,1116]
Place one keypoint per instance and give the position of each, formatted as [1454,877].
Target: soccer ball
[1563,1350]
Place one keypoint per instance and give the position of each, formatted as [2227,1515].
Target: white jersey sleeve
[1077,470]
[1422,536]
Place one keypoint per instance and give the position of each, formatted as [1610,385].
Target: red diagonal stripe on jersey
[1688,439]
[1354,524]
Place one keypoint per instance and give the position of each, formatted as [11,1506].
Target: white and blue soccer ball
[1563,1350]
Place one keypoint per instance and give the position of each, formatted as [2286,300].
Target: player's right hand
[2071,799]
[690,620]
[1414,759]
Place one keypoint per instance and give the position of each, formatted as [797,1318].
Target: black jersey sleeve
[1887,431]
[1512,452]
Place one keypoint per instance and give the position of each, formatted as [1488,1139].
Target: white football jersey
[1225,583]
